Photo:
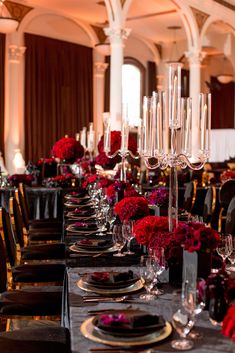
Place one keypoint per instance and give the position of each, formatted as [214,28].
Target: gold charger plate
[77,205]
[87,231]
[88,330]
[92,252]
[129,289]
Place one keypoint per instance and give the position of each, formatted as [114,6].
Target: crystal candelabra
[168,137]
[87,139]
[123,152]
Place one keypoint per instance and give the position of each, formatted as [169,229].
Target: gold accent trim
[194,193]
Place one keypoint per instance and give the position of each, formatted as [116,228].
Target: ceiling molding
[151,15]
[200,17]
[226,4]
[17,11]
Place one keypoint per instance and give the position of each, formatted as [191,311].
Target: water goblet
[128,235]
[101,222]
[159,265]
[118,239]
[231,257]
[224,249]
[147,277]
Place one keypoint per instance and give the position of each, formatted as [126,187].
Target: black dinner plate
[94,244]
[128,323]
[110,280]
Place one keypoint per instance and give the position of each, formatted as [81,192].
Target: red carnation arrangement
[68,149]
[195,236]
[16,179]
[148,228]
[103,160]
[228,325]
[42,161]
[91,179]
[131,207]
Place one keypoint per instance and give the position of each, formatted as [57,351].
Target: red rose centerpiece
[131,207]
[68,149]
[103,160]
[148,228]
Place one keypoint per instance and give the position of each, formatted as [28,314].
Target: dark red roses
[68,148]
[131,207]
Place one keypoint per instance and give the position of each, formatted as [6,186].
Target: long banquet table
[76,312]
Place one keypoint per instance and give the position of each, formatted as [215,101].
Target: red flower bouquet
[194,236]
[68,149]
[226,175]
[148,228]
[228,326]
[91,179]
[16,179]
[103,160]
[131,207]
[159,197]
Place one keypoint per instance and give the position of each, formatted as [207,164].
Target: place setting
[94,247]
[126,328]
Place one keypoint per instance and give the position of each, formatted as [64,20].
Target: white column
[13,105]
[195,57]
[116,38]
[99,72]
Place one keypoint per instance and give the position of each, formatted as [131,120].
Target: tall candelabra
[169,138]
[123,151]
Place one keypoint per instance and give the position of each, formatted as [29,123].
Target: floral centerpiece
[16,179]
[159,197]
[90,179]
[116,186]
[68,149]
[131,207]
[60,181]
[103,160]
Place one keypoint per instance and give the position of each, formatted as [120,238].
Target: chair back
[10,241]
[3,260]
[22,189]
[23,207]
[17,221]
[190,195]
[230,218]
[226,193]
[211,207]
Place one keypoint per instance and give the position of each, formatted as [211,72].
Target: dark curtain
[107,86]
[151,82]
[58,92]
[222,111]
[2,94]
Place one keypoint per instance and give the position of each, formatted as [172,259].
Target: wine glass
[159,265]
[224,249]
[183,322]
[128,235]
[118,239]
[101,222]
[231,257]
[147,277]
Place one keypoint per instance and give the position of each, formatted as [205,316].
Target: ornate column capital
[195,57]
[15,53]
[117,34]
[100,69]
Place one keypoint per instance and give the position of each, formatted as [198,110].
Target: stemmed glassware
[231,257]
[224,249]
[159,264]
[118,239]
[147,277]
[128,235]
[101,223]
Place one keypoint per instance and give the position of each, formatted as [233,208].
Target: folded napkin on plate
[128,323]
[111,279]
[94,244]
[84,225]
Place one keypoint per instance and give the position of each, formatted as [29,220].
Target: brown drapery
[58,92]
[2,93]
[222,110]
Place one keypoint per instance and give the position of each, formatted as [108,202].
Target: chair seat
[44,236]
[39,272]
[42,252]
[45,223]
[36,340]
[32,302]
